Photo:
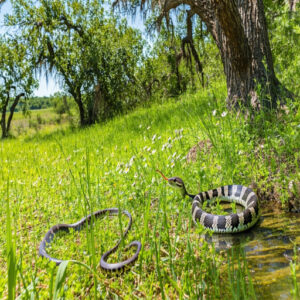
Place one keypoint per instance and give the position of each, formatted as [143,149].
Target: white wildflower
[131,160]
[224,113]
[214,112]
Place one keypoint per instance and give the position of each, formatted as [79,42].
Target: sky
[50,87]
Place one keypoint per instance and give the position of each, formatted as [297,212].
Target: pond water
[269,248]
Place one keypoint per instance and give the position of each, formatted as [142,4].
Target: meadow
[39,120]
[60,175]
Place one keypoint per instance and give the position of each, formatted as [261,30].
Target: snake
[79,225]
[230,223]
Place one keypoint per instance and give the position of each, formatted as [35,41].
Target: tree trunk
[75,92]
[12,110]
[240,31]
[3,123]
[83,121]
[3,118]
[5,127]
[292,5]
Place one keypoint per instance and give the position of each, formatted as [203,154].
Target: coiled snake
[230,223]
[79,225]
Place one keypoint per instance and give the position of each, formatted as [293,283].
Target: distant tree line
[33,103]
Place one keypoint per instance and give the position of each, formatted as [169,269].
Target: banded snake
[231,223]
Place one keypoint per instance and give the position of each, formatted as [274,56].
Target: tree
[94,57]
[240,32]
[16,79]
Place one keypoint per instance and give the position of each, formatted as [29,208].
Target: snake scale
[79,225]
[231,223]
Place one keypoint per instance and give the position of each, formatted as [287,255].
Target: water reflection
[269,248]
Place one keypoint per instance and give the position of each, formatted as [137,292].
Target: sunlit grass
[39,121]
[60,177]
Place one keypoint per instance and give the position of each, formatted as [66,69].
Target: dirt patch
[294,196]
[271,196]
[202,147]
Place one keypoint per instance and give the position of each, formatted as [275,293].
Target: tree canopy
[93,55]
[108,68]
[16,79]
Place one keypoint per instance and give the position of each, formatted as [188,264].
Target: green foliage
[62,103]
[11,252]
[284,32]
[70,173]
[60,277]
[93,55]
[169,69]
[35,103]
[16,78]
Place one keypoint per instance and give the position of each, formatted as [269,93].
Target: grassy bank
[59,177]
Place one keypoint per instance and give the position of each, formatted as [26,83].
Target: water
[269,248]
[270,251]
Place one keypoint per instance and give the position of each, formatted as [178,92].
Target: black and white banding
[233,222]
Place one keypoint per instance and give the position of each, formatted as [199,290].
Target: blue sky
[50,87]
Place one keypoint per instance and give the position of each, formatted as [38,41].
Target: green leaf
[60,277]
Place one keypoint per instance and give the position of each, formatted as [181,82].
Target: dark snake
[79,225]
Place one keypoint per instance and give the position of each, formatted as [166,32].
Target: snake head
[175,182]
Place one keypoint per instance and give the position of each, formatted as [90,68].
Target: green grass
[39,121]
[60,176]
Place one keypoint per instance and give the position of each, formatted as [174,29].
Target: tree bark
[292,5]
[240,32]
[12,110]
[5,126]
[78,100]
[3,118]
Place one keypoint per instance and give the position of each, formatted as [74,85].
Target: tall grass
[64,176]
[293,264]
[11,251]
